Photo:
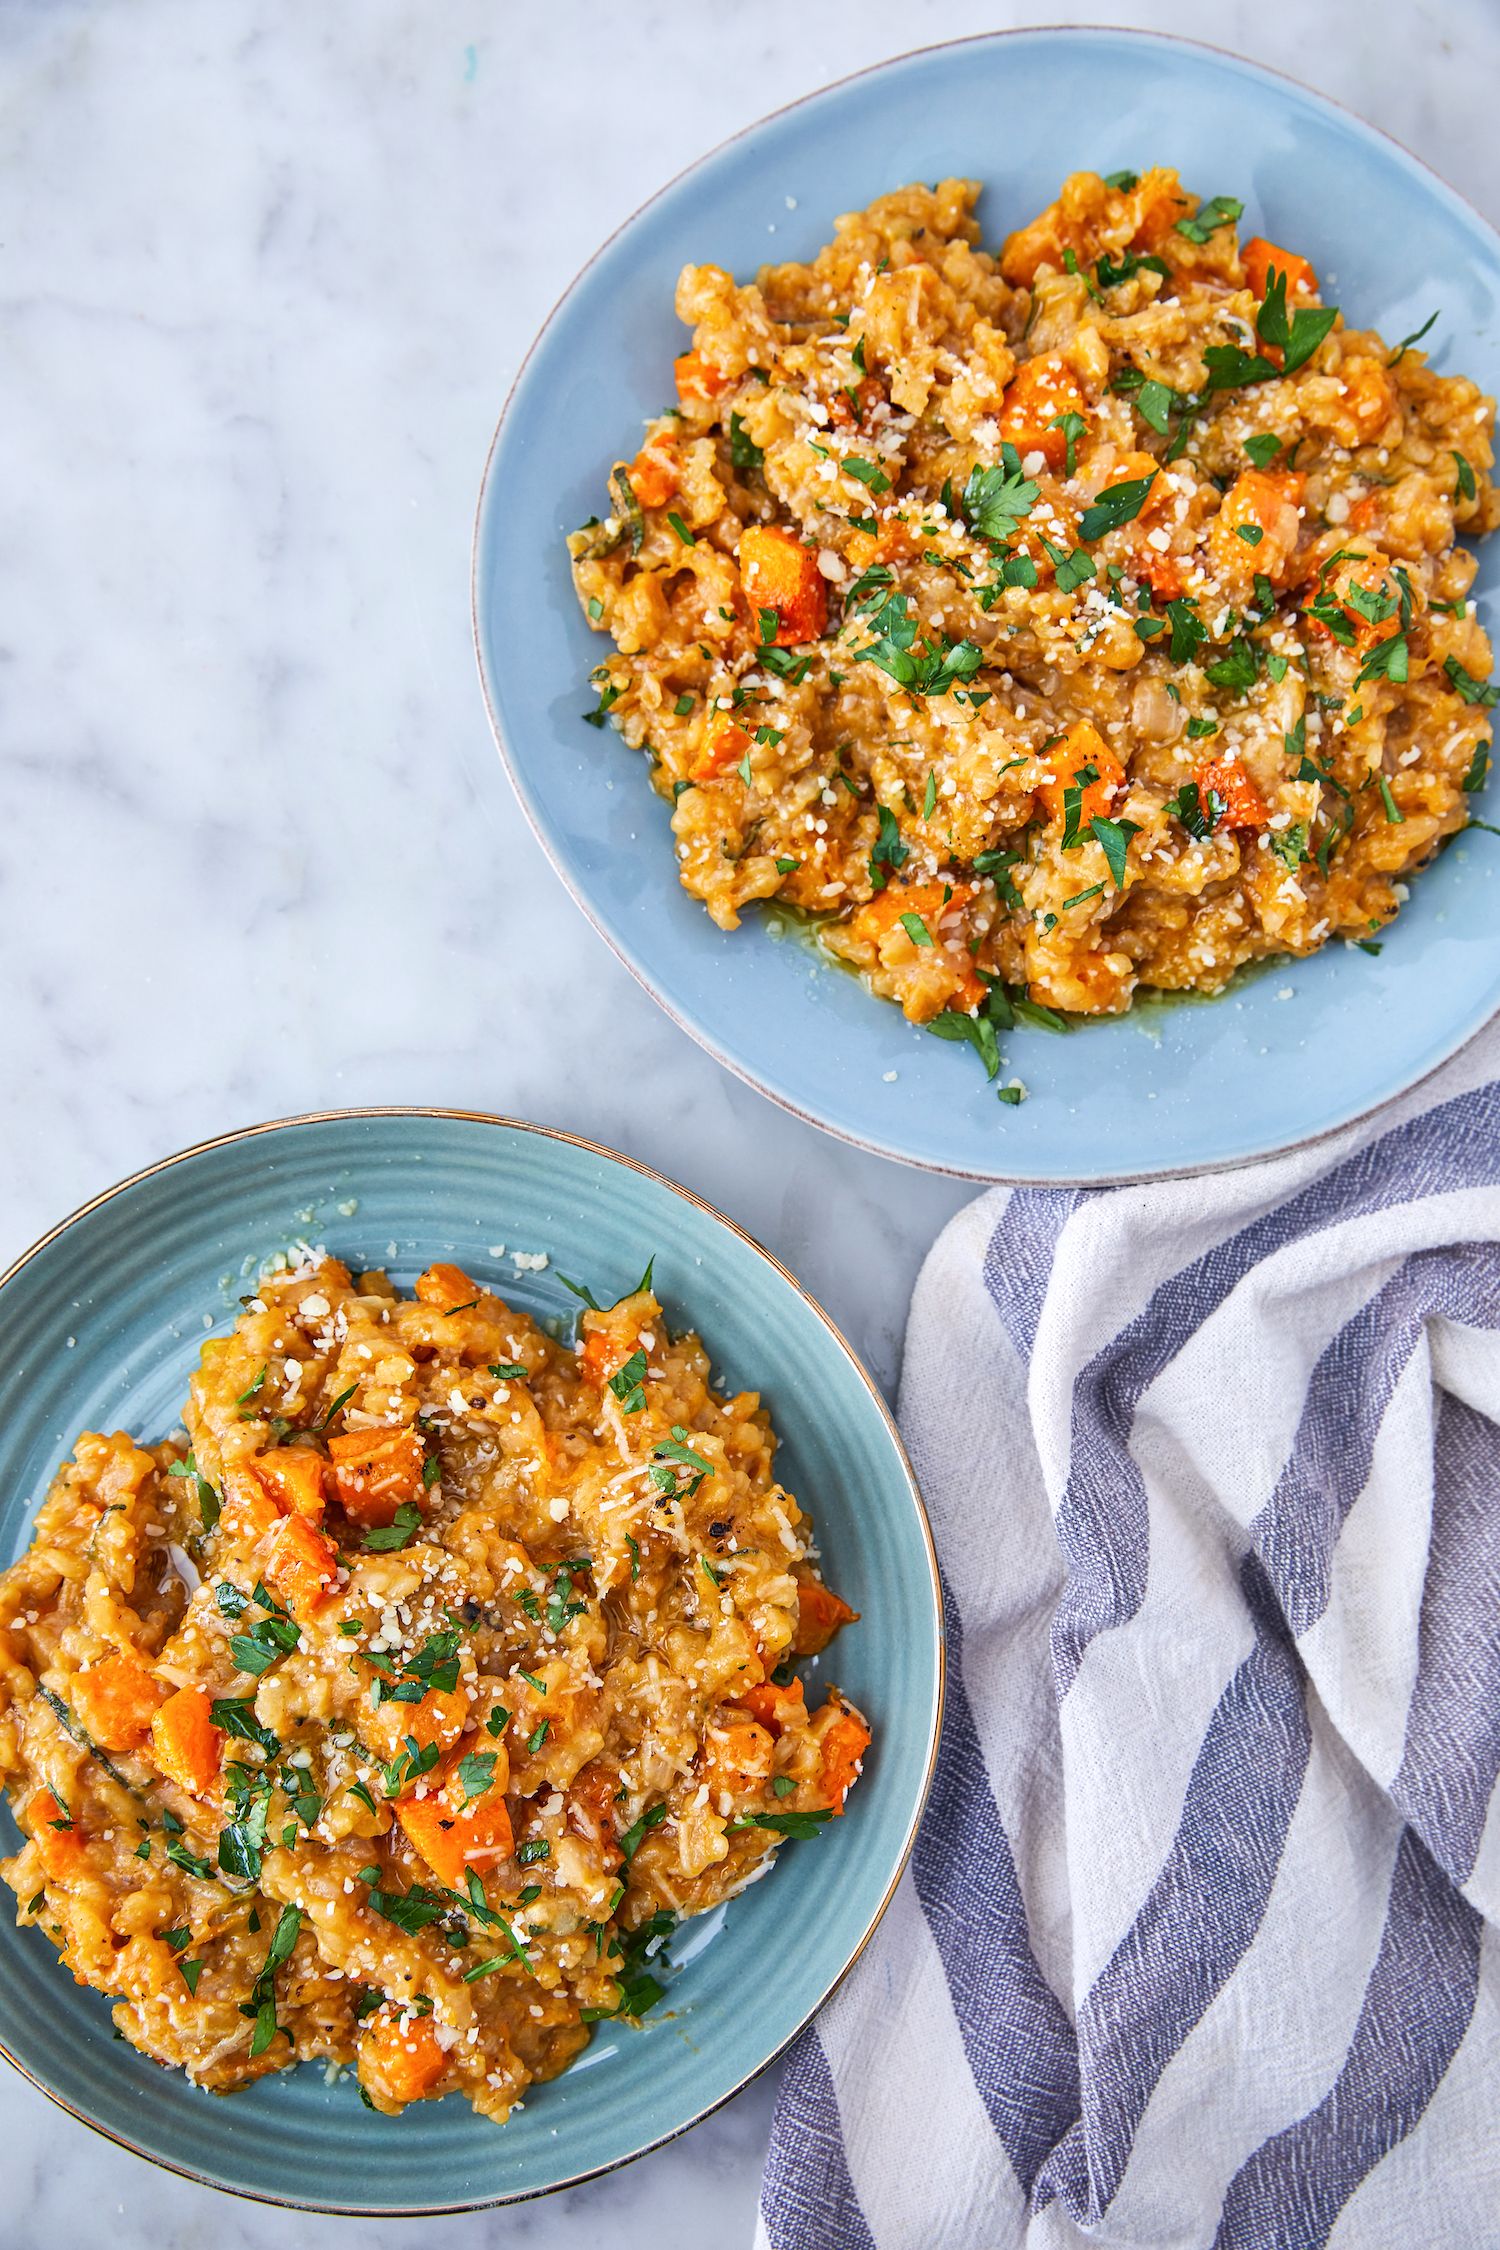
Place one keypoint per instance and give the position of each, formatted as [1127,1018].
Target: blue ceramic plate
[1281,1058]
[100,1325]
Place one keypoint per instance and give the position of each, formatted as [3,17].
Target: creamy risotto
[1053,623]
[397,1716]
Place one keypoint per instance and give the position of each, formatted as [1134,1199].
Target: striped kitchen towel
[1200,1944]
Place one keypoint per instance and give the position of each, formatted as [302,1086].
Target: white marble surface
[267,270]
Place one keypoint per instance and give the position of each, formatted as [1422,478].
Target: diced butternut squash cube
[302,1568]
[454,1831]
[1161,572]
[401,2060]
[117,1699]
[776,1707]
[291,1476]
[189,1747]
[1040,391]
[653,477]
[844,1746]
[779,574]
[820,1613]
[724,745]
[1082,747]
[445,1287]
[437,1720]
[737,1755]
[930,903]
[1261,259]
[1244,806]
[699,382]
[58,1839]
[1257,526]
[375,1471]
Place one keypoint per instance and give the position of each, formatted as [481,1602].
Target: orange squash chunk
[400,2060]
[188,1745]
[653,480]
[1261,258]
[778,573]
[927,902]
[117,1699]
[1257,525]
[375,1471]
[1082,745]
[446,1287]
[1161,572]
[1039,391]
[698,380]
[291,1476]
[724,744]
[1244,806]
[452,1835]
[844,1745]
[440,1718]
[737,1755]
[775,1706]
[58,1849]
[820,1613]
[302,1567]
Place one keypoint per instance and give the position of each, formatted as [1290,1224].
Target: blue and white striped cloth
[1200,1944]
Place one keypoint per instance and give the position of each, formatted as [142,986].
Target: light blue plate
[99,1328]
[1285,1056]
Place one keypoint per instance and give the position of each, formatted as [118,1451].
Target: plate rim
[698,1031]
[418,1110]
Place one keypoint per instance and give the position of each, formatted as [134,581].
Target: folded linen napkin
[1200,1943]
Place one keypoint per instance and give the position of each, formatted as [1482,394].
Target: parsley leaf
[995,501]
[1218,211]
[1113,838]
[405,1523]
[744,453]
[1116,504]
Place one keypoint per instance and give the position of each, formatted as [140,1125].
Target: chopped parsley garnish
[534,1741]
[1117,504]
[635,1834]
[628,1383]
[1113,838]
[995,501]
[266,1641]
[1467,488]
[1154,403]
[1289,845]
[210,1502]
[1399,351]
[1263,448]
[1235,671]
[868,473]
[1482,692]
[802,1825]
[404,1525]
[1198,816]
[476,1774]
[1073,427]
[529,1854]
[916,929]
[1218,211]
[1070,570]
[688,538]
[932,670]
[235,1715]
[744,453]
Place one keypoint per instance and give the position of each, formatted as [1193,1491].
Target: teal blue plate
[1284,1056]
[100,1325]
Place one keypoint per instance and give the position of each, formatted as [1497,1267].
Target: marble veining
[267,272]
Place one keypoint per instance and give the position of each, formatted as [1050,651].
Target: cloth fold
[1200,1943]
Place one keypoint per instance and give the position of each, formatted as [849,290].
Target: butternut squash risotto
[397,1716]
[1055,622]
